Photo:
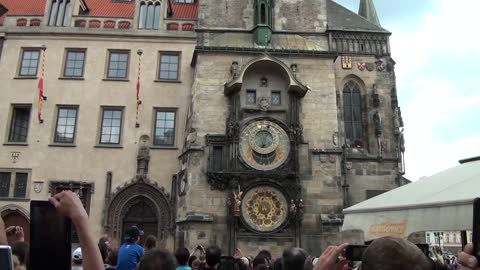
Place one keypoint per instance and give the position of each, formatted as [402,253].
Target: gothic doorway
[16,216]
[139,203]
[142,214]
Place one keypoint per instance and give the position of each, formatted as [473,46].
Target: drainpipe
[345,184]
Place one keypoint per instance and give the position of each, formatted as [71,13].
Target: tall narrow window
[59,13]
[66,123]
[217,158]
[20,190]
[352,108]
[29,64]
[142,15]
[5,178]
[262,14]
[118,65]
[111,126]
[169,66]
[164,128]
[251,97]
[149,15]
[19,124]
[276,98]
[74,63]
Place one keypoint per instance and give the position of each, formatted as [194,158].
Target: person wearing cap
[77,259]
[130,252]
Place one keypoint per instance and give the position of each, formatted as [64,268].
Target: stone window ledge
[62,145]
[116,79]
[160,147]
[15,144]
[72,78]
[113,146]
[167,81]
[25,77]
[15,199]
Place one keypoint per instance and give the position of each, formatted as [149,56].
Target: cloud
[436,77]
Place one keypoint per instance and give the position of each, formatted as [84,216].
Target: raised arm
[69,205]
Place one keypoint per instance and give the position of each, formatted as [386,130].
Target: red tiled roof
[109,8]
[184,11]
[24,7]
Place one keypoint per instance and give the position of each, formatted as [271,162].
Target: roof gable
[342,19]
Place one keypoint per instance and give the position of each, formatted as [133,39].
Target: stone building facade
[253,131]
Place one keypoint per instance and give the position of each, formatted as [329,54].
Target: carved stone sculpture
[292,209]
[378,124]
[143,157]
[237,197]
[396,121]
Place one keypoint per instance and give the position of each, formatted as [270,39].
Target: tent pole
[464,239]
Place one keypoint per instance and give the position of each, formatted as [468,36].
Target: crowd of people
[384,253]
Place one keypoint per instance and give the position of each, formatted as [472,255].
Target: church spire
[367,10]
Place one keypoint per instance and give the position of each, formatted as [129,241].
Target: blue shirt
[184,267]
[128,256]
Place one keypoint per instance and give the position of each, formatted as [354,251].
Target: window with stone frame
[149,15]
[251,98]
[111,127]
[14,183]
[185,1]
[169,66]
[74,63]
[84,190]
[29,62]
[66,124]
[352,113]
[59,13]
[164,133]
[118,62]
[19,124]
[276,98]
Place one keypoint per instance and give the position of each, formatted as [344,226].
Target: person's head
[103,247]
[77,258]
[150,242]
[259,260]
[196,264]
[132,235]
[242,263]
[182,254]
[103,240]
[156,259]
[20,249]
[294,259]
[266,254]
[278,264]
[212,256]
[390,253]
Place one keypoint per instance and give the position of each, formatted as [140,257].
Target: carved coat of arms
[361,66]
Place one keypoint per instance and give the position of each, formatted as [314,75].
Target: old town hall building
[248,124]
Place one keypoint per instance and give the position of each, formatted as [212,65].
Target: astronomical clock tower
[282,132]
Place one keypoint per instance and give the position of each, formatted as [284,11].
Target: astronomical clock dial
[264,145]
[264,209]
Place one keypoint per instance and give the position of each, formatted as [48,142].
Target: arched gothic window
[149,15]
[263,12]
[59,13]
[352,113]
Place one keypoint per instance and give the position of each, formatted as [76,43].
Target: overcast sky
[437,49]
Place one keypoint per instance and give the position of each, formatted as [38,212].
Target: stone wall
[289,15]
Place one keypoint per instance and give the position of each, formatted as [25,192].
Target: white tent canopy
[442,202]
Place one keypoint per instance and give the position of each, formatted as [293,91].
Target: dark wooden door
[16,219]
[143,216]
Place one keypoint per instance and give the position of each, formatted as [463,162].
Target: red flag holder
[41,89]
[139,102]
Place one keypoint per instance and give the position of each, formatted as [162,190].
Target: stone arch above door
[15,215]
[127,196]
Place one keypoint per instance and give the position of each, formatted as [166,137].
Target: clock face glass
[264,209]
[264,145]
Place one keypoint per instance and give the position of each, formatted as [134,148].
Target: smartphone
[50,238]
[227,263]
[6,261]
[424,248]
[354,253]
[476,228]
